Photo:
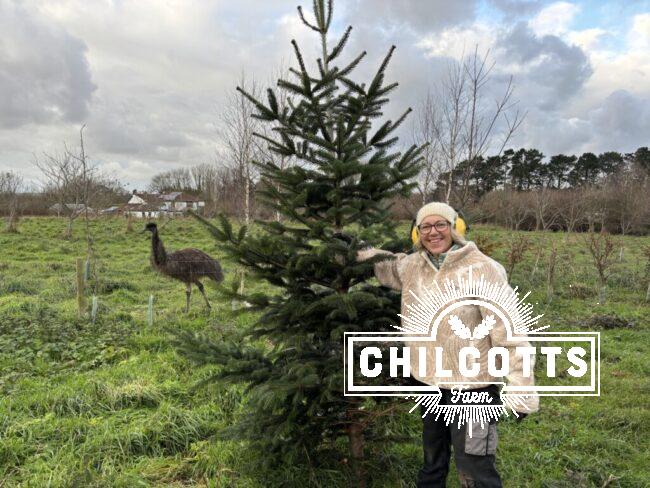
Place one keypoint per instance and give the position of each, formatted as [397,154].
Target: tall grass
[110,403]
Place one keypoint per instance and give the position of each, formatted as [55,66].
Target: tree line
[523,190]
[528,169]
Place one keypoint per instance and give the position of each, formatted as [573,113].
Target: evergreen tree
[292,358]
[611,162]
[489,174]
[518,169]
[639,159]
[535,169]
[558,169]
[586,170]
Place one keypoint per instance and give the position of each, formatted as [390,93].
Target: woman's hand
[521,416]
[348,239]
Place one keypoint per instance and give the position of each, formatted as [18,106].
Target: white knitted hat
[436,208]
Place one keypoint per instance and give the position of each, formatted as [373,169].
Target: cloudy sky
[149,78]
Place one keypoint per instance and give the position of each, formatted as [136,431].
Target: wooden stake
[150,311]
[95,308]
[81,297]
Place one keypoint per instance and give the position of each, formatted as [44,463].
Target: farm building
[69,208]
[143,205]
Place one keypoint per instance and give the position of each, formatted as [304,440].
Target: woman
[442,253]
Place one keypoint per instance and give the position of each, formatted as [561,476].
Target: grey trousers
[475,456]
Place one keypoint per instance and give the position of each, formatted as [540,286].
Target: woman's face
[435,236]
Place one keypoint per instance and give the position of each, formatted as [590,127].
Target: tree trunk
[12,221]
[81,298]
[247,192]
[68,230]
[355,437]
[602,294]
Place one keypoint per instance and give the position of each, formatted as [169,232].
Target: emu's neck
[158,253]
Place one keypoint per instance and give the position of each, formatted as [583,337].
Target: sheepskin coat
[412,273]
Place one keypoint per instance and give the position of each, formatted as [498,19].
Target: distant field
[110,403]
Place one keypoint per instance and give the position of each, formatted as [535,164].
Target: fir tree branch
[304,20]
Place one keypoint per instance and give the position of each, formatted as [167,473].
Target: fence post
[150,311]
[81,297]
[95,308]
[236,303]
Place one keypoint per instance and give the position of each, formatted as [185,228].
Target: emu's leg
[188,292]
[202,290]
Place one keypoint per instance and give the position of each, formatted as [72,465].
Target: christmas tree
[292,358]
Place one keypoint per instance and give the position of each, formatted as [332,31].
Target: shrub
[610,321]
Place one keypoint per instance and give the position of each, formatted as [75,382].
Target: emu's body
[187,265]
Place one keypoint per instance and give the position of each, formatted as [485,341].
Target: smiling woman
[436,231]
[445,255]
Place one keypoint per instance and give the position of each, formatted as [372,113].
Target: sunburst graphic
[425,315]
[422,314]
[470,414]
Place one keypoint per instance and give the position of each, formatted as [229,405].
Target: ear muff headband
[458,225]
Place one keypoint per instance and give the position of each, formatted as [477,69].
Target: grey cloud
[139,127]
[553,72]
[160,89]
[619,123]
[622,118]
[44,73]
[553,133]
[421,16]
[517,8]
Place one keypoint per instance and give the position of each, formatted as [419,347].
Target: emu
[187,265]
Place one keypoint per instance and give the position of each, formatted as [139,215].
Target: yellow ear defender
[459,226]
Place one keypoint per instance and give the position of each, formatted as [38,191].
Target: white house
[143,205]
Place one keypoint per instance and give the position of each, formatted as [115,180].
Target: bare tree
[62,175]
[516,252]
[627,197]
[646,253]
[204,178]
[517,208]
[482,122]
[546,209]
[600,246]
[238,139]
[10,186]
[550,271]
[178,179]
[574,205]
[74,184]
[424,134]
[465,125]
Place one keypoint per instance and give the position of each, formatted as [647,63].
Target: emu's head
[151,227]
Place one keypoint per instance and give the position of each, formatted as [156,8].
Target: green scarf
[438,259]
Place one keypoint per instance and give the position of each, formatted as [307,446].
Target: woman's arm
[387,271]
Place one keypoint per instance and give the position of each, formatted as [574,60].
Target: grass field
[111,404]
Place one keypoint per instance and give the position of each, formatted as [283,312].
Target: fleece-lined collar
[456,251]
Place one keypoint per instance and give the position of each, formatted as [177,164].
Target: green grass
[111,404]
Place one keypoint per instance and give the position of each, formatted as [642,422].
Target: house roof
[140,207]
[178,196]
[69,206]
[151,198]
